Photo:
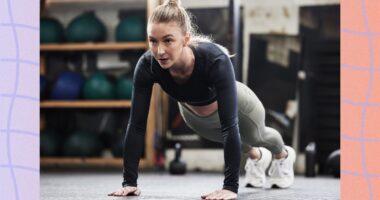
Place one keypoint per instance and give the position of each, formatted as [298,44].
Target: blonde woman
[199,75]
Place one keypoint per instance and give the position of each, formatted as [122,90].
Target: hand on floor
[220,195]
[126,191]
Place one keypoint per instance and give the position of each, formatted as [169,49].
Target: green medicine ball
[131,29]
[86,28]
[83,144]
[124,88]
[98,87]
[51,31]
[50,143]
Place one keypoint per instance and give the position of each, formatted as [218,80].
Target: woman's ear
[186,39]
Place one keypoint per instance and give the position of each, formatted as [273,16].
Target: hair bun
[173,2]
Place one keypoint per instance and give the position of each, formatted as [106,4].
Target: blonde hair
[172,11]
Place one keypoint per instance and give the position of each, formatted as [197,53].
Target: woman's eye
[167,41]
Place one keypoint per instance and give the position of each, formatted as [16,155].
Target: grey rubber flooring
[162,186]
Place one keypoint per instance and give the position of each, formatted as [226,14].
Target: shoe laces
[253,168]
[279,168]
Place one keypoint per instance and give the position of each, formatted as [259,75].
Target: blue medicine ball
[68,86]
[43,86]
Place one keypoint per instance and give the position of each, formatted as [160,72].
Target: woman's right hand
[220,195]
[126,191]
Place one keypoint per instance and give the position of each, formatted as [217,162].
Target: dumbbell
[176,166]
[311,156]
[333,163]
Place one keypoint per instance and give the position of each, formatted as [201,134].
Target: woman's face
[166,41]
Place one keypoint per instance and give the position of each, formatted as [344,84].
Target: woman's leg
[207,127]
[251,124]
[253,131]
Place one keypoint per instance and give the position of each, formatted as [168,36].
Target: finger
[212,195]
[119,193]
[205,195]
[137,192]
[220,195]
[229,196]
[126,192]
[113,194]
[208,197]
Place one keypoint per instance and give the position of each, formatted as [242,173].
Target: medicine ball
[131,28]
[124,88]
[50,143]
[84,144]
[51,31]
[98,87]
[68,86]
[43,86]
[86,28]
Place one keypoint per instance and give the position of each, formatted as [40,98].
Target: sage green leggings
[253,132]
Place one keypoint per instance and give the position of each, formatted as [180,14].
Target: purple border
[19,100]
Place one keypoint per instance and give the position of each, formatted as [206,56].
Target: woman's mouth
[163,60]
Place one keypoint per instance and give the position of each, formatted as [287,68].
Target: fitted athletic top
[212,79]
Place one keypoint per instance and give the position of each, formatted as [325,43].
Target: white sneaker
[255,169]
[281,173]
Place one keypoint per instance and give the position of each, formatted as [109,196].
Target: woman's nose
[160,50]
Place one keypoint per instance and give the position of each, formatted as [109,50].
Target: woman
[200,76]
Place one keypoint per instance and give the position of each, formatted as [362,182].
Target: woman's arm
[223,77]
[135,134]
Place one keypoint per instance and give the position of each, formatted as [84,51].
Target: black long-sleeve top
[212,79]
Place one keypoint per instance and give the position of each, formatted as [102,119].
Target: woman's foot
[281,172]
[255,168]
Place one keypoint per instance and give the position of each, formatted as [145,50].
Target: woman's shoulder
[147,56]
[145,62]
[211,49]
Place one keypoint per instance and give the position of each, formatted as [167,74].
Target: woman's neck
[185,65]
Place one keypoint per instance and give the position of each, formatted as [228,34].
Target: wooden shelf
[95,162]
[139,2]
[59,5]
[109,46]
[86,104]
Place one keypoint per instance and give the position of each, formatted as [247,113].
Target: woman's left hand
[220,195]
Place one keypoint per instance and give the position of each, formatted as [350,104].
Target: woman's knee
[273,140]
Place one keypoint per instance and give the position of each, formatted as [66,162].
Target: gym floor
[156,186]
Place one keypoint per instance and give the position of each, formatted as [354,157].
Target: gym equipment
[86,28]
[333,163]
[117,146]
[43,86]
[177,167]
[124,88]
[51,31]
[68,86]
[82,144]
[311,154]
[98,87]
[50,143]
[131,28]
